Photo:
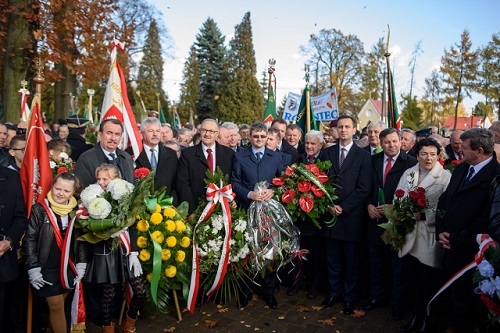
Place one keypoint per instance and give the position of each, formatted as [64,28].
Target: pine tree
[412,113]
[240,89]
[150,75]
[433,99]
[211,52]
[459,66]
[489,73]
[190,88]
[372,73]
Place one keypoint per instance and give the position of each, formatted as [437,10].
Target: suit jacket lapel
[378,165]
[143,160]
[201,155]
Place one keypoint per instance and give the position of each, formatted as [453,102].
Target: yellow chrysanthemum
[158,208]
[158,236]
[180,227]
[142,242]
[165,254]
[149,277]
[169,212]
[171,241]
[144,255]
[170,271]
[156,218]
[180,256]
[170,225]
[185,242]
[143,225]
[138,217]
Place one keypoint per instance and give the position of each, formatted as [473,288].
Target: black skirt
[107,265]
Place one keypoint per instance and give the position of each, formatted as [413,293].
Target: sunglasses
[21,149]
[259,136]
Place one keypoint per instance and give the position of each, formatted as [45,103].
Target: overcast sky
[280,27]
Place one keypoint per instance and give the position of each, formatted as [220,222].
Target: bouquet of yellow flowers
[164,239]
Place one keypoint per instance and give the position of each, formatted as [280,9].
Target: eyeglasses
[21,149]
[255,136]
[204,130]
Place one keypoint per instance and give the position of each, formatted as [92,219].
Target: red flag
[116,104]
[35,173]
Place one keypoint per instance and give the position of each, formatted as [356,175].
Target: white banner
[324,106]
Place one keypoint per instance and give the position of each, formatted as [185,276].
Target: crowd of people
[347,262]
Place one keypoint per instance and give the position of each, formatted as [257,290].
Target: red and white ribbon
[214,195]
[484,241]
[25,110]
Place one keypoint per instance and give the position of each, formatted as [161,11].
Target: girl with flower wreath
[109,266]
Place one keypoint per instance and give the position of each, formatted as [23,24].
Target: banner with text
[324,106]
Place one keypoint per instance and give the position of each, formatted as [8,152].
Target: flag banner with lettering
[324,106]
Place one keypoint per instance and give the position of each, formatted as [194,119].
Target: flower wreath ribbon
[484,241]
[78,314]
[214,195]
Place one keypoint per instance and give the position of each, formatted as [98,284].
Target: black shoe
[244,299]
[271,302]
[397,312]
[330,301]
[372,305]
[311,294]
[348,308]
[413,325]
[293,290]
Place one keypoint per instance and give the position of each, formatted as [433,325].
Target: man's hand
[336,210]
[373,212]
[444,239]
[261,196]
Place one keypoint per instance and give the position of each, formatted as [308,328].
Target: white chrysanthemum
[99,208]
[90,193]
[241,225]
[119,188]
[52,164]
[201,252]
[217,223]
[247,237]
[63,155]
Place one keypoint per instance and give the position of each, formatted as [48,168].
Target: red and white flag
[116,104]
[25,109]
[35,173]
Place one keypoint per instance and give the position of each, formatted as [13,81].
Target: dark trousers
[14,303]
[342,259]
[422,284]
[309,271]
[385,273]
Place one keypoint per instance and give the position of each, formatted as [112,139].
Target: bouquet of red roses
[402,215]
[305,191]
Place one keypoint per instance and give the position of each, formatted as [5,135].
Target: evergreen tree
[150,75]
[240,90]
[211,52]
[433,99]
[372,73]
[459,66]
[489,73]
[190,88]
[412,113]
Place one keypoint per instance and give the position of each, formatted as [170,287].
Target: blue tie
[153,160]
[258,156]
[113,158]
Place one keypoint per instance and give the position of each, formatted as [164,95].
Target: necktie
[113,158]
[258,156]
[469,175]
[153,161]
[460,155]
[210,160]
[310,159]
[342,156]
[388,167]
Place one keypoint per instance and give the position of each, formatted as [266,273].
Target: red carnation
[455,162]
[420,189]
[278,181]
[313,168]
[413,195]
[317,192]
[421,202]
[323,178]
[289,171]
[306,203]
[421,195]
[62,169]
[287,196]
[441,162]
[141,173]
[304,186]
[399,193]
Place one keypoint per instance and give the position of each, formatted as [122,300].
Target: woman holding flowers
[44,247]
[421,249]
[109,266]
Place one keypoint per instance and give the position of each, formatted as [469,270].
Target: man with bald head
[454,149]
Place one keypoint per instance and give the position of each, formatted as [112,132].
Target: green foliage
[190,87]
[412,113]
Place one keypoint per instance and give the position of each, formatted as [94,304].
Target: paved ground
[258,317]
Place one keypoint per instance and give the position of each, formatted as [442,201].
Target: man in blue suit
[350,171]
[250,166]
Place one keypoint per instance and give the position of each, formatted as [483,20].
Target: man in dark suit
[77,126]
[193,164]
[462,213]
[349,172]
[387,168]
[284,146]
[454,149]
[250,166]
[373,129]
[273,140]
[106,151]
[293,137]
[13,222]
[156,157]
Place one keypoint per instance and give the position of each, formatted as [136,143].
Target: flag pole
[390,105]
[308,98]
[91,93]
[159,108]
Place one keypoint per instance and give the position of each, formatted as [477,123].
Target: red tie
[310,159]
[388,167]
[460,155]
[210,159]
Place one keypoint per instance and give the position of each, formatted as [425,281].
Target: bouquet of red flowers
[305,191]
[401,215]
[451,167]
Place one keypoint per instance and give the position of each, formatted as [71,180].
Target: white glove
[119,232]
[81,268]
[36,277]
[134,263]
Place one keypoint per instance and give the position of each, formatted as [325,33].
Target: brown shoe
[109,329]
[128,326]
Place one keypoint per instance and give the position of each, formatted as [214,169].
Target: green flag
[392,106]
[302,117]
[163,120]
[270,112]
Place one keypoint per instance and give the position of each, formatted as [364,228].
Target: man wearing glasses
[195,161]
[17,149]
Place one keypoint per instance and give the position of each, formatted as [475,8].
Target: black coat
[13,220]
[289,149]
[450,153]
[78,145]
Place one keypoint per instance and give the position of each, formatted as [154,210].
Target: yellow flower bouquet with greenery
[164,240]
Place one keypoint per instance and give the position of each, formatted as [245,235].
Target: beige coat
[421,243]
